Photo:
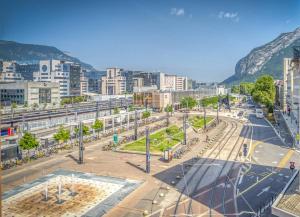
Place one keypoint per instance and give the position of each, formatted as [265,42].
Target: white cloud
[177,11]
[229,15]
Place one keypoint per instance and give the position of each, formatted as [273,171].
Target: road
[222,184]
[266,174]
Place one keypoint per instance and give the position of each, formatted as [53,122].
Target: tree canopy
[169,108]
[98,125]
[146,114]
[28,141]
[116,110]
[188,102]
[62,134]
[85,130]
[264,91]
[245,88]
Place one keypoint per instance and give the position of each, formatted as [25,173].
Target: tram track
[226,135]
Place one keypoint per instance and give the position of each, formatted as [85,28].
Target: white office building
[57,71]
[8,72]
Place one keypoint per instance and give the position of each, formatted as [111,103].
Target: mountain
[10,50]
[266,59]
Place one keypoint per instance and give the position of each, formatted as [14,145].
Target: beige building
[84,86]
[113,83]
[181,83]
[8,72]
[287,83]
[154,99]
[30,92]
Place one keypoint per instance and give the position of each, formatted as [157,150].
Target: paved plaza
[67,193]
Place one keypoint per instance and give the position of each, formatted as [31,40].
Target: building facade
[287,78]
[75,79]
[29,92]
[9,71]
[113,83]
[27,70]
[57,71]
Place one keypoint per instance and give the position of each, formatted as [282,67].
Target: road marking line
[280,166]
[285,159]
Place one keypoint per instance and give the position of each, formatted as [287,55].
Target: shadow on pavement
[253,185]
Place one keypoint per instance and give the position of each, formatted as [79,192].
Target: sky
[201,39]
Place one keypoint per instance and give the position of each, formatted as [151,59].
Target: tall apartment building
[172,82]
[181,83]
[287,83]
[113,83]
[67,74]
[75,79]
[9,72]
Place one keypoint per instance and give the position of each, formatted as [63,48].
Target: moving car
[259,113]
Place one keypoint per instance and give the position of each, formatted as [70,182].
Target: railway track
[213,152]
[212,158]
[231,162]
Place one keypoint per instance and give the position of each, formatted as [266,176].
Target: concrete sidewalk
[287,127]
[284,128]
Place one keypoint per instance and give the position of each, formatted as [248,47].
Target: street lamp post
[218,108]
[204,110]
[147,151]
[184,129]
[81,148]
[135,124]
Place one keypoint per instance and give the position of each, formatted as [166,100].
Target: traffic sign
[298,136]
[115,138]
[292,165]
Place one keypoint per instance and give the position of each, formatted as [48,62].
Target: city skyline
[185,38]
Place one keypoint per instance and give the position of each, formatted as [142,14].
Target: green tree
[116,110]
[62,135]
[209,101]
[235,89]
[188,102]
[13,107]
[145,114]
[264,91]
[246,88]
[28,141]
[25,104]
[35,106]
[169,109]
[130,108]
[85,130]
[97,126]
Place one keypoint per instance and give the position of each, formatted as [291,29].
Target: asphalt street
[267,172]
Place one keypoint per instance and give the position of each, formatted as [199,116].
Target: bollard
[46,191]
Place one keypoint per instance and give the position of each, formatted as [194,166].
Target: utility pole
[97,112]
[147,151]
[135,124]
[80,143]
[298,123]
[204,117]
[168,121]
[184,129]
[218,108]
[109,105]
[228,102]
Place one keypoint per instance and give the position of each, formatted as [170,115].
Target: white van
[259,113]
